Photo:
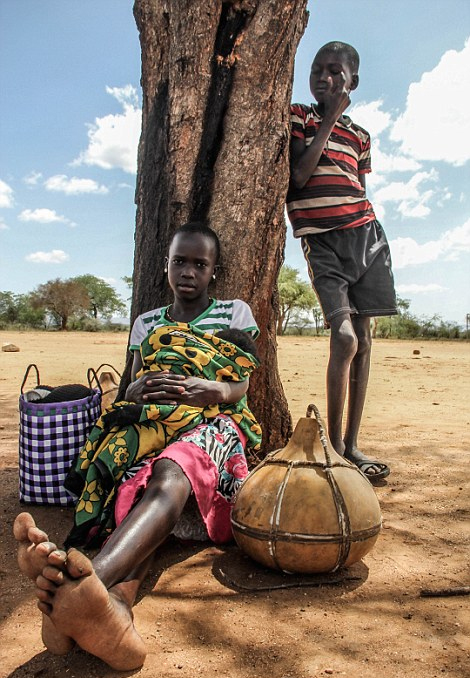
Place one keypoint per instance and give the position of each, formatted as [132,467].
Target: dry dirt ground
[193,615]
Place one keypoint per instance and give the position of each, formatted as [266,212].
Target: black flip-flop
[364,464]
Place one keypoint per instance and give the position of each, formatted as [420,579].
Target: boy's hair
[239,338]
[203,229]
[351,54]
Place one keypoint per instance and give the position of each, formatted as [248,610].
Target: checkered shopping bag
[51,436]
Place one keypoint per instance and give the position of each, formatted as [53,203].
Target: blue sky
[70,122]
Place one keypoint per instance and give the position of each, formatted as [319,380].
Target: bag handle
[108,365]
[28,369]
[91,374]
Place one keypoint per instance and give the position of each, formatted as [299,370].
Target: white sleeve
[243,319]
[138,334]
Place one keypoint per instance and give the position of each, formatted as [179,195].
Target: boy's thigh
[327,276]
[351,271]
[374,292]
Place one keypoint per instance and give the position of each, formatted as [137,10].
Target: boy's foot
[373,470]
[35,551]
[78,603]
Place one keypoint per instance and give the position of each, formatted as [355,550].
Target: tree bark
[216,80]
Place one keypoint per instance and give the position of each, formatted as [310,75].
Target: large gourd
[305,508]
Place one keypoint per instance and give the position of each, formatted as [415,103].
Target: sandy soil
[194,618]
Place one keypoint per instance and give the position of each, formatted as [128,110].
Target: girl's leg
[343,347]
[91,602]
[126,556]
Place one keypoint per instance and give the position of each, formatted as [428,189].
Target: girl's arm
[152,387]
[201,392]
[166,388]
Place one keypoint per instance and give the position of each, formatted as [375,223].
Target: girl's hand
[156,387]
[201,392]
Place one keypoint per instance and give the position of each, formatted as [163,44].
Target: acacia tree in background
[216,79]
[18,309]
[62,298]
[294,295]
[103,299]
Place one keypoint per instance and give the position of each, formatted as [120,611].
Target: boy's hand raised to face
[336,98]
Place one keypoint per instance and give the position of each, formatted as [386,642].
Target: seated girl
[90,602]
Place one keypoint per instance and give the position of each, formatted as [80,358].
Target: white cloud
[436,122]
[391,162]
[6,195]
[43,215]
[3,225]
[32,178]
[53,257]
[414,288]
[73,185]
[369,116]
[411,198]
[113,139]
[449,247]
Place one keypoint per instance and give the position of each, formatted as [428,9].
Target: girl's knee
[167,474]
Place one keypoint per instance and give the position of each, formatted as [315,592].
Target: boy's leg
[343,348]
[358,381]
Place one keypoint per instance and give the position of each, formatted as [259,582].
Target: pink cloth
[203,476]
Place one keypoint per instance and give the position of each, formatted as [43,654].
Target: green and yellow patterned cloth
[129,433]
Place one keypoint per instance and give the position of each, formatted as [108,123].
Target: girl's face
[191,265]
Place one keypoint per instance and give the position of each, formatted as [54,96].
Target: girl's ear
[216,272]
[165,269]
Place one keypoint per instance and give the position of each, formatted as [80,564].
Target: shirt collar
[344,120]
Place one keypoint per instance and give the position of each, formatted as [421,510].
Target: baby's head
[239,338]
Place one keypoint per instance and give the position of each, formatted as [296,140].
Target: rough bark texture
[216,80]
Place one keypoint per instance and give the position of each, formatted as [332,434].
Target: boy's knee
[345,341]
[364,338]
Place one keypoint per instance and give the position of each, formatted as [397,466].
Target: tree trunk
[216,79]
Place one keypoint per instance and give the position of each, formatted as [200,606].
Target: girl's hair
[202,228]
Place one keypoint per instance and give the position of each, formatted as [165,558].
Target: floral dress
[207,443]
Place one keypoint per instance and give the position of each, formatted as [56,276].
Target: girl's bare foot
[34,546]
[35,551]
[78,603]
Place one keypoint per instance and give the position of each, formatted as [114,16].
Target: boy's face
[331,70]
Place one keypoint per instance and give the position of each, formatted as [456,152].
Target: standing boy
[345,247]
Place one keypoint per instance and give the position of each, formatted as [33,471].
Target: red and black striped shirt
[333,197]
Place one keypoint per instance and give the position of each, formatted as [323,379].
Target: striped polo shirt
[220,315]
[333,197]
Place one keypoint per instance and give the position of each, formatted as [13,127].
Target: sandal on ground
[364,464]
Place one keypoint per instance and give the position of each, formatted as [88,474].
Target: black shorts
[351,271]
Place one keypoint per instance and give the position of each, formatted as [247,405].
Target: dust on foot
[78,603]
